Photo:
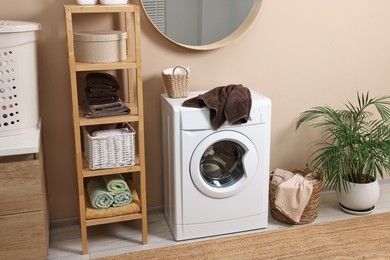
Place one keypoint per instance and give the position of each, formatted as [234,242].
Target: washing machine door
[223,164]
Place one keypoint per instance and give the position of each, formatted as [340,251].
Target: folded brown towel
[102,97]
[102,100]
[101,88]
[106,106]
[97,81]
[232,103]
[108,109]
[102,94]
[105,113]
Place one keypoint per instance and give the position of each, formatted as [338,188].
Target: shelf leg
[83,225]
[144,230]
[143,207]
[84,239]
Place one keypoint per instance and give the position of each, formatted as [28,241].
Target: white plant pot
[360,197]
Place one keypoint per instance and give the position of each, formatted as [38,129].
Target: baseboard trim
[385,180]
[57,223]
[155,209]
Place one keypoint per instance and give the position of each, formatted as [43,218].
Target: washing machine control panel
[255,115]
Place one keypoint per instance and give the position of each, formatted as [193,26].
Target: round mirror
[201,24]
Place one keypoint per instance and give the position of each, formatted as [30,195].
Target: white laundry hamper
[19,108]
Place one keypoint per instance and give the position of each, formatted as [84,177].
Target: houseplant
[354,147]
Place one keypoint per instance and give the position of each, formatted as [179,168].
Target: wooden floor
[118,238]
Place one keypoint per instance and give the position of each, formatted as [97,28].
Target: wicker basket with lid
[100,46]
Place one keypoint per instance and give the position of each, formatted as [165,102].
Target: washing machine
[215,181]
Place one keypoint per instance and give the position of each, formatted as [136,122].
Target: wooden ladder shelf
[133,98]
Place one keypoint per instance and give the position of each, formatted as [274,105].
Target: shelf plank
[107,120]
[81,66]
[132,117]
[101,172]
[100,221]
[100,8]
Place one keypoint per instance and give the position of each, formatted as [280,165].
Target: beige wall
[299,53]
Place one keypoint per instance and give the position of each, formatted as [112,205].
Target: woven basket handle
[185,69]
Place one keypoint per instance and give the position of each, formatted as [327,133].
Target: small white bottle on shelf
[113,2]
[86,2]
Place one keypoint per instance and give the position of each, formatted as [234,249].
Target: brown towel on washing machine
[232,103]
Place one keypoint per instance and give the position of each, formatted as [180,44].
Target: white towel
[178,71]
[110,132]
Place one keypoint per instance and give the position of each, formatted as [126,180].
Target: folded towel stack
[118,188]
[109,191]
[133,207]
[102,96]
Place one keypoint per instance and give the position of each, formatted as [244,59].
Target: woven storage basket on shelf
[100,46]
[109,152]
[309,213]
[176,85]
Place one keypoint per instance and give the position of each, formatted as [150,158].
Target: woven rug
[362,237]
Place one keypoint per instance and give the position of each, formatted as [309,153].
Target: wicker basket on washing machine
[311,210]
[176,84]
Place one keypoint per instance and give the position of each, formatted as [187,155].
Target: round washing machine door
[223,164]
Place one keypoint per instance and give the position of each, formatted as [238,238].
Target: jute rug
[362,237]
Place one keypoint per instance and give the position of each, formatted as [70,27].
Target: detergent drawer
[195,118]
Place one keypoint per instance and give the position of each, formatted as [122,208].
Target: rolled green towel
[115,183]
[122,198]
[99,197]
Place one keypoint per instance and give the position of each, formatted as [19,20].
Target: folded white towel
[110,132]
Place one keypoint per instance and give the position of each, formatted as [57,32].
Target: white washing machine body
[205,194]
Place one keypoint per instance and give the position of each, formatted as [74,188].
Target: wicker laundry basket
[309,213]
[109,151]
[176,84]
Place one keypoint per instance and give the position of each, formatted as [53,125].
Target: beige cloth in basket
[133,207]
[293,195]
[281,175]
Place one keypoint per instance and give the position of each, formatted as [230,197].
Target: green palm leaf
[354,144]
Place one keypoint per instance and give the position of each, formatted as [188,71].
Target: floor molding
[385,180]
[57,223]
